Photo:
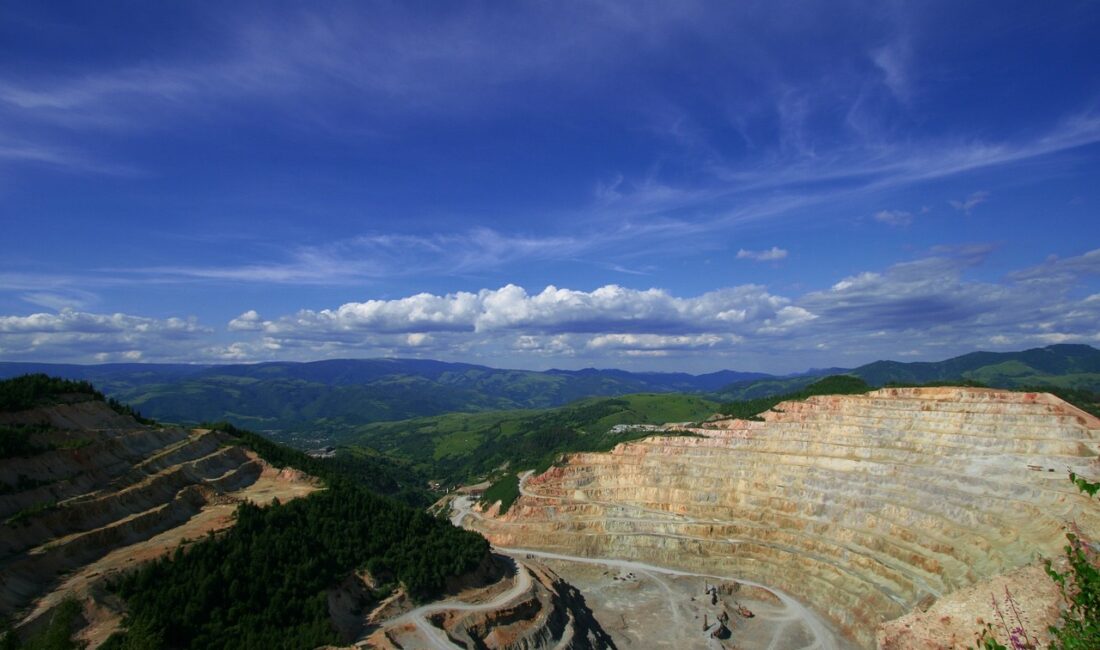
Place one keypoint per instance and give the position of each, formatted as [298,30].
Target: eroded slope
[861,506]
[102,491]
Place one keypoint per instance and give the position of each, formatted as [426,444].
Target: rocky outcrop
[861,506]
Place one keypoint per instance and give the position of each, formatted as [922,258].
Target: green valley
[461,447]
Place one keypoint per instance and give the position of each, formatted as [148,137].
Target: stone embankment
[860,506]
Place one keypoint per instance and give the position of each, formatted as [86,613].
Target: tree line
[39,389]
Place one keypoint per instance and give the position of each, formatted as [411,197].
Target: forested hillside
[461,447]
[386,475]
[1070,366]
[263,584]
[833,385]
[309,403]
[329,397]
[314,404]
[260,583]
[1086,400]
[1064,366]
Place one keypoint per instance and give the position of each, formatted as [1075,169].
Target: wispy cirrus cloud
[63,299]
[274,63]
[893,61]
[1061,270]
[639,219]
[383,256]
[894,217]
[16,152]
[803,150]
[773,254]
[970,202]
[786,186]
[379,59]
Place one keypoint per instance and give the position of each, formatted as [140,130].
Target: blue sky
[678,186]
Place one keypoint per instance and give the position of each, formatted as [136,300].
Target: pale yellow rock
[860,506]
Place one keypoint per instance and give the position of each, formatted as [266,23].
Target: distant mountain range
[332,395]
[338,393]
[1065,366]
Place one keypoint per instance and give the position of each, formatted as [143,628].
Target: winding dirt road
[436,637]
[823,638]
[792,612]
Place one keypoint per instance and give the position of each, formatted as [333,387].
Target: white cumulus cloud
[83,336]
[608,309]
[930,307]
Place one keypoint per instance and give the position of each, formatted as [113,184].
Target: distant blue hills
[348,392]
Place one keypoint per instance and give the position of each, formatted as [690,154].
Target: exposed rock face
[550,614]
[104,483]
[861,506]
[546,612]
[524,606]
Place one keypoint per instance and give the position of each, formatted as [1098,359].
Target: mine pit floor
[652,607]
[645,606]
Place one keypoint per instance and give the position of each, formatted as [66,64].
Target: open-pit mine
[890,519]
[895,516]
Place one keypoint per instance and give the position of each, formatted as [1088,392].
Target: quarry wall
[861,506]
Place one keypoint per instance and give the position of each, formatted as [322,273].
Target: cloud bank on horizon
[679,186]
[926,304]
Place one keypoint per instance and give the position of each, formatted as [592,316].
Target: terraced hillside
[861,506]
[90,492]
